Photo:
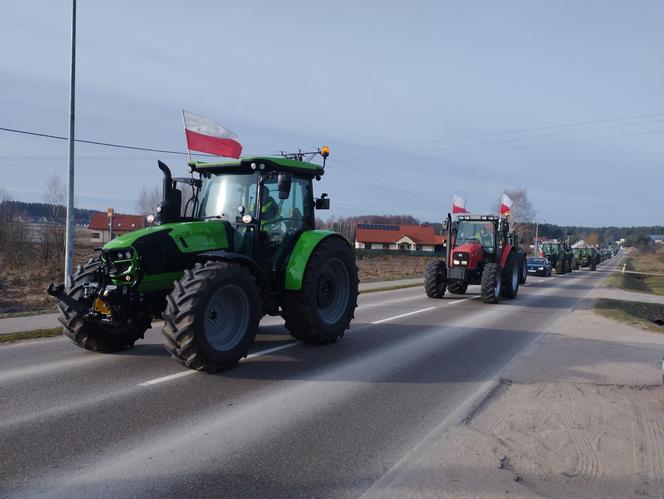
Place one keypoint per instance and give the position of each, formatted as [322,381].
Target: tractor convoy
[242,246]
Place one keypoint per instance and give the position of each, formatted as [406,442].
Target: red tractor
[480,250]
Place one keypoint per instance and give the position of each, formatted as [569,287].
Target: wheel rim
[226,317]
[496,290]
[332,291]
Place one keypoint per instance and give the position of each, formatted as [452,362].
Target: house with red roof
[100,225]
[398,237]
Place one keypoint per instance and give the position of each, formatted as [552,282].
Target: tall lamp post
[69,246]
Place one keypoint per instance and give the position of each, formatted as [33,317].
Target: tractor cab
[477,239]
[266,203]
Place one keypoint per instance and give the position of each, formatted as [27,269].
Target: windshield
[537,261]
[223,194]
[476,232]
[550,249]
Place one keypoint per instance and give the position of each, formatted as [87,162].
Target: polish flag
[458,204]
[207,136]
[505,205]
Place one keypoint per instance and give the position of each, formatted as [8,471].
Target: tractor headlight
[460,259]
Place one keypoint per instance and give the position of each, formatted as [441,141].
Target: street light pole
[69,247]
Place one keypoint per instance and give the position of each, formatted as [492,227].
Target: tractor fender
[505,255]
[226,256]
[299,257]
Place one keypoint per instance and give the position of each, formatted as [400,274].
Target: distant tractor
[559,254]
[479,251]
[242,246]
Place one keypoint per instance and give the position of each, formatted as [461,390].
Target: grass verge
[634,313]
[30,335]
[392,288]
[29,313]
[635,282]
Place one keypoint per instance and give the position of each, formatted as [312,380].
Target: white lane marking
[187,373]
[167,378]
[274,349]
[403,315]
[43,369]
[290,345]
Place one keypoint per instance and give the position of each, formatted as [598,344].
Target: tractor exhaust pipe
[169,208]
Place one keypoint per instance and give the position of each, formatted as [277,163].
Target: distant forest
[36,212]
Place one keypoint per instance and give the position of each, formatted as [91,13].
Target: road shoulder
[579,413]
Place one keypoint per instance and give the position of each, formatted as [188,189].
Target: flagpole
[184,124]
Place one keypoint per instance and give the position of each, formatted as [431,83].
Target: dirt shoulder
[579,414]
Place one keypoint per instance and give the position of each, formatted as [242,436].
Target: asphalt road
[291,420]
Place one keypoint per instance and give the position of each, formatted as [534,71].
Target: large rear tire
[491,283]
[560,265]
[435,278]
[457,287]
[211,316]
[511,281]
[321,311]
[94,336]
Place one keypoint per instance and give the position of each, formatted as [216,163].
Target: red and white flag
[505,205]
[458,204]
[204,135]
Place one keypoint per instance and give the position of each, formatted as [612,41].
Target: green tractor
[581,257]
[244,245]
[559,254]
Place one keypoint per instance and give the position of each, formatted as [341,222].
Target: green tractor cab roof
[259,163]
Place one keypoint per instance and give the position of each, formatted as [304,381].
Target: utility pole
[69,246]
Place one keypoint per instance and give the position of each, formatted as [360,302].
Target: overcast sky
[417,100]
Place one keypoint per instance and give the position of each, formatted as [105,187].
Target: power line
[507,132]
[511,139]
[528,146]
[96,142]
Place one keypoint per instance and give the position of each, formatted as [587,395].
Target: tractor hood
[188,237]
[474,249]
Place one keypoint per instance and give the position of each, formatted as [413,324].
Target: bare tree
[522,214]
[52,234]
[148,199]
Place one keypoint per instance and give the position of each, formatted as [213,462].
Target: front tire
[435,278]
[321,311]
[94,336]
[491,283]
[211,316]
[524,268]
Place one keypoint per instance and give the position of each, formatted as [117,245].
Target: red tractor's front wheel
[492,283]
[435,278]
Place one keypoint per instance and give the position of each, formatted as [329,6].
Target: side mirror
[284,185]
[445,224]
[323,202]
